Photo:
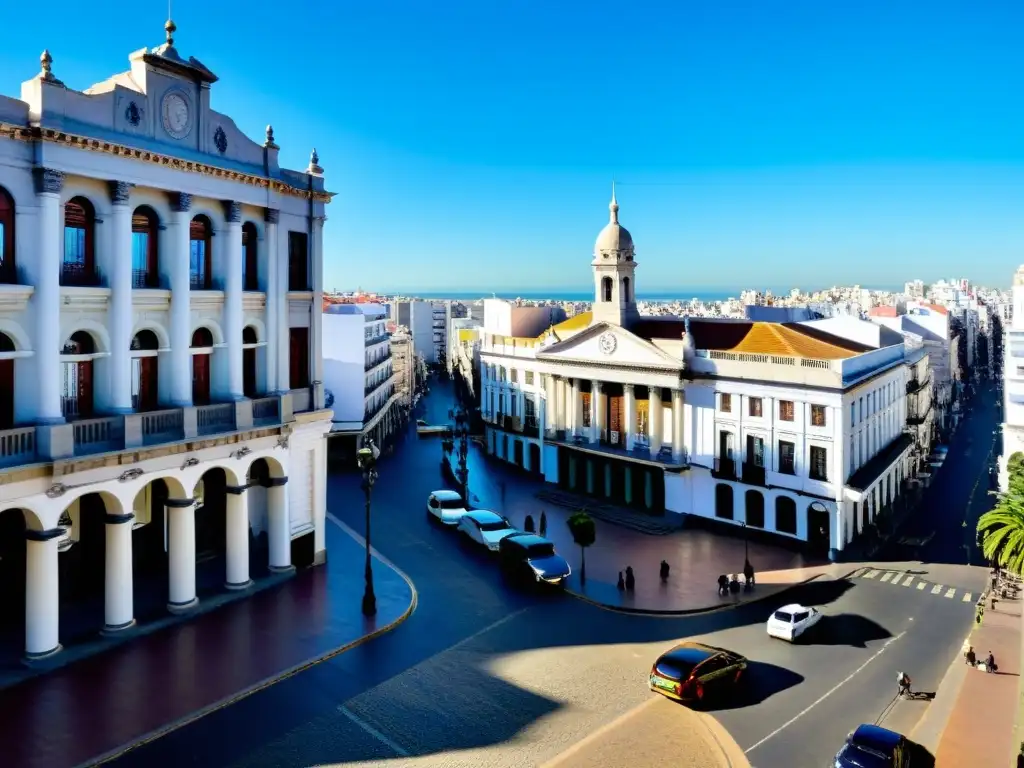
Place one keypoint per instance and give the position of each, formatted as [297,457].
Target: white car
[446,507]
[791,621]
[486,528]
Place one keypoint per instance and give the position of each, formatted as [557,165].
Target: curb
[655,613]
[273,679]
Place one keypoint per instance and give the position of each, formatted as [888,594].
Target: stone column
[120,315]
[279,524]
[237,533]
[316,357]
[233,319]
[181,554]
[550,409]
[42,594]
[630,417]
[177,260]
[542,417]
[572,415]
[277,302]
[556,386]
[46,297]
[119,587]
[678,445]
[655,417]
[577,412]
[595,411]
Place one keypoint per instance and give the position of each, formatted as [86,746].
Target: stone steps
[636,521]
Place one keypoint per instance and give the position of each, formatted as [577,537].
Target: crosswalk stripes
[871,574]
[967,597]
[936,589]
[908,581]
[921,585]
[905,579]
[950,592]
[887,575]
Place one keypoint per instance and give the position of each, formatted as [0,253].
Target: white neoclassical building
[782,427]
[1013,381]
[161,412]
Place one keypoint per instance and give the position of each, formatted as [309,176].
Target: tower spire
[613,207]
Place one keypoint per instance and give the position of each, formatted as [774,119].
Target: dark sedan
[871,746]
[693,672]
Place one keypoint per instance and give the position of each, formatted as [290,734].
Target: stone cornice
[29,134]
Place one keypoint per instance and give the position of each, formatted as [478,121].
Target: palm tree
[1002,528]
[584,533]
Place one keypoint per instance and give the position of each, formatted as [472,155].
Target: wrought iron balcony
[79,275]
[753,473]
[377,339]
[143,278]
[725,468]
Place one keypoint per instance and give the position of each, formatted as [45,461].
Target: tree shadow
[845,629]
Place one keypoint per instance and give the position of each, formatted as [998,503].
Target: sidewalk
[980,729]
[109,702]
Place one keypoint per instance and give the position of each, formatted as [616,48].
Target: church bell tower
[614,267]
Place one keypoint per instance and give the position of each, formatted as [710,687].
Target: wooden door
[147,383]
[200,379]
[6,394]
[616,420]
[85,409]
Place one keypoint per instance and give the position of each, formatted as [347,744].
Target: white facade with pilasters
[160,295]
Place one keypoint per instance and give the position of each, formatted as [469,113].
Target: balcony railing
[725,468]
[79,275]
[17,446]
[370,413]
[143,278]
[371,364]
[915,384]
[753,473]
[378,339]
[787,467]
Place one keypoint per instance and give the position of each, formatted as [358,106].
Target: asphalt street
[482,675]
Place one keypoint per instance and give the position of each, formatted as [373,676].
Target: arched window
[145,266]
[79,267]
[606,289]
[77,393]
[785,515]
[200,234]
[625,289]
[144,371]
[723,501]
[250,281]
[6,383]
[202,341]
[755,509]
[249,350]
[7,269]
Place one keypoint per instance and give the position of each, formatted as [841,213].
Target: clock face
[177,120]
[607,343]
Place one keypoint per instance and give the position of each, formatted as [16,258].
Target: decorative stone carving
[181,202]
[220,140]
[232,211]
[271,215]
[242,452]
[282,442]
[56,490]
[49,181]
[192,461]
[133,114]
[46,68]
[130,474]
[119,191]
[269,143]
[314,163]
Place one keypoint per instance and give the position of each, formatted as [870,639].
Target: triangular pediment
[609,344]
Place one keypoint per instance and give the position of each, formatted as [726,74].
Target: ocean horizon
[560,295]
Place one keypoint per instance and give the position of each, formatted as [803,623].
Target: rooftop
[780,339]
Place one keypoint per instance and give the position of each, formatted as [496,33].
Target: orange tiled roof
[782,339]
[938,308]
[883,312]
[575,323]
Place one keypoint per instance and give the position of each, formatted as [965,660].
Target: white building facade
[784,428]
[1013,381]
[160,392]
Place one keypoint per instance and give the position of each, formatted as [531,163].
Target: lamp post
[746,558]
[367,458]
[462,432]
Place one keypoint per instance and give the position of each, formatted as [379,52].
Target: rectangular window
[853,457]
[725,403]
[787,457]
[529,378]
[786,410]
[853,414]
[755,407]
[819,463]
[755,451]
[514,376]
[298,262]
[586,408]
[531,412]
[817,415]
[140,260]
[298,358]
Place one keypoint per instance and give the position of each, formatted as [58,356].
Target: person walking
[630,579]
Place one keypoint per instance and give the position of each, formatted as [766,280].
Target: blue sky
[756,143]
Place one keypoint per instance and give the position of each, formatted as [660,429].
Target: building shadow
[845,629]
[763,681]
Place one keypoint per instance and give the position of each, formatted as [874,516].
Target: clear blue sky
[764,143]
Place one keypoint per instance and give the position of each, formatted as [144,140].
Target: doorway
[819,528]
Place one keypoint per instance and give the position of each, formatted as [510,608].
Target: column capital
[627,387]
[232,211]
[271,215]
[50,535]
[276,482]
[181,202]
[236,490]
[179,503]
[48,181]
[120,191]
[110,519]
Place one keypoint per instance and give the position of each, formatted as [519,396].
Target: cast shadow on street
[920,757]
[762,681]
[845,629]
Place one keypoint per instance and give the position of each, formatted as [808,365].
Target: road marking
[921,585]
[828,693]
[373,731]
[950,592]
[967,597]
[908,581]
[871,574]
[936,589]
[887,575]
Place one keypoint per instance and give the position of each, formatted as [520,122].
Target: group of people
[730,583]
[972,660]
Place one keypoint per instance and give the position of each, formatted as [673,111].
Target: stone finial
[170,28]
[314,163]
[269,143]
[46,68]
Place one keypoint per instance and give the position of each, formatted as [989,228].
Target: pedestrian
[748,574]
[528,524]
[990,663]
[630,579]
[734,585]
[723,585]
[971,659]
[664,571]
[543,523]
[622,583]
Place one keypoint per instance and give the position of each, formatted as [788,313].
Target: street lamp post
[462,432]
[367,458]
[746,553]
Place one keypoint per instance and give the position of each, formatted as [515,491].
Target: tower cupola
[613,267]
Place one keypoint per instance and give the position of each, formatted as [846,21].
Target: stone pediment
[611,345]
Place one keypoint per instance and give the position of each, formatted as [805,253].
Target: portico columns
[181,302]
[677,425]
[655,418]
[121,299]
[181,554]
[596,420]
[550,410]
[233,299]
[279,523]
[237,533]
[277,306]
[42,593]
[559,402]
[630,419]
[46,297]
[118,595]
[577,407]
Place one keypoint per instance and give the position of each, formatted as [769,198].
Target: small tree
[584,533]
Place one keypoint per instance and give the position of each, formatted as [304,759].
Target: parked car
[422,428]
[693,672]
[446,507]
[871,746]
[531,559]
[486,528]
[791,621]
